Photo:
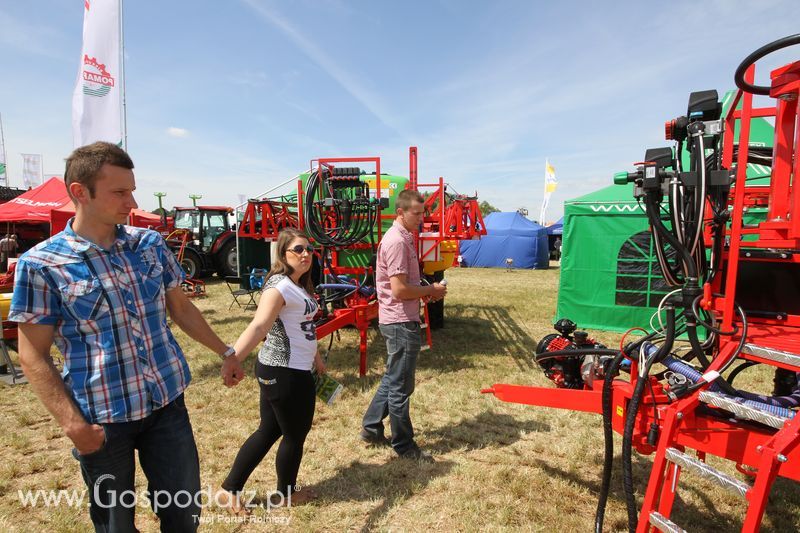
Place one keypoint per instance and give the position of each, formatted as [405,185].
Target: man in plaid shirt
[101,291]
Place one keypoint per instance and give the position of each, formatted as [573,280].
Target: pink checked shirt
[396,255]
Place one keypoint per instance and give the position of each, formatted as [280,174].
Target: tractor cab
[210,244]
[204,223]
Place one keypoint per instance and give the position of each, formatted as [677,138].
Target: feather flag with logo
[550,184]
[97,99]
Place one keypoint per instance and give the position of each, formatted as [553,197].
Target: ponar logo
[96,79]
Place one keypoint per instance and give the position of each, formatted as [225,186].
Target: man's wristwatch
[229,352]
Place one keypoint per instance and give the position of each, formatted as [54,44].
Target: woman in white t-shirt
[285,321]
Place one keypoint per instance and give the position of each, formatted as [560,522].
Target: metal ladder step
[661,523]
[742,411]
[772,354]
[696,465]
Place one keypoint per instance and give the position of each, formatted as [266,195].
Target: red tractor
[204,240]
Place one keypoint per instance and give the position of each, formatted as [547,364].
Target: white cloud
[177,132]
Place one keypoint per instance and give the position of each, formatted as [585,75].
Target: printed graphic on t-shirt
[292,341]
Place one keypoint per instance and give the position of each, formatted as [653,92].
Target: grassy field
[498,466]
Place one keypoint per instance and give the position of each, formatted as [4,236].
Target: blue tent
[556,228]
[555,231]
[508,235]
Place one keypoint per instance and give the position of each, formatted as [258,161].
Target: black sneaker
[373,439]
[417,454]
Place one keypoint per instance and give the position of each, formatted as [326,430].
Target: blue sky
[231,98]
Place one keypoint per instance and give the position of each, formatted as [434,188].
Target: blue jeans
[169,460]
[392,398]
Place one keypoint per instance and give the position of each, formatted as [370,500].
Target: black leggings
[287,409]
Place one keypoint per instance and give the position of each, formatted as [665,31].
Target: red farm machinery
[204,242]
[345,205]
[735,295]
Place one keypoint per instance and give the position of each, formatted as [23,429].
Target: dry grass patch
[498,466]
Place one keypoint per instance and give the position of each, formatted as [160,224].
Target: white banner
[550,184]
[97,99]
[31,170]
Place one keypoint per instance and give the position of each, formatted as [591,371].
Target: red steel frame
[460,219]
[771,453]
[192,287]
[360,311]
[264,219]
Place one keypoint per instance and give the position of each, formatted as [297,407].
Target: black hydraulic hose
[544,356]
[697,348]
[630,420]
[704,362]
[658,225]
[608,440]
[695,310]
[363,215]
[700,194]
[736,371]
[671,274]
[726,387]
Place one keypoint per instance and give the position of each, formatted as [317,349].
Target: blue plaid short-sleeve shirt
[108,307]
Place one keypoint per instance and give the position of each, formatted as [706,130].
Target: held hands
[88,438]
[232,371]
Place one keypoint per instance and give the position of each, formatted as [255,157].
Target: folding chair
[240,293]
[257,278]
[9,374]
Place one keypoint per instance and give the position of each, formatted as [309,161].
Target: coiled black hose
[630,420]
[352,228]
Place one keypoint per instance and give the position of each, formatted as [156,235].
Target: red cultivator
[737,284]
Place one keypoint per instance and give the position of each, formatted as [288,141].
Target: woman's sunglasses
[298,249]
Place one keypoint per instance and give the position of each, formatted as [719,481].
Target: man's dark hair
[84,164]
[406,198]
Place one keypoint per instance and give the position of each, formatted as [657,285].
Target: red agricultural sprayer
[344,206]
[735,295]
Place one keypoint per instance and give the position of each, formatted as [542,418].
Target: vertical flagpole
[544,196]
[5,159]
[122,75]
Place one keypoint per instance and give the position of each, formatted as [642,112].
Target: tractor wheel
[227,260]
[191,264]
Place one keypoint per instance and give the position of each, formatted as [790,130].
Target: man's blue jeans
[392,398]
[169,460]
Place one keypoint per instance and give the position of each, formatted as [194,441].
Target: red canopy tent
[138,217]
[34,206]
[49,203]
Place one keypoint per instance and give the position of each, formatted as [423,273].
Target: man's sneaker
[417,454]
[373,439]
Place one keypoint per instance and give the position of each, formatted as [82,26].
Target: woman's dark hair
[280,266]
